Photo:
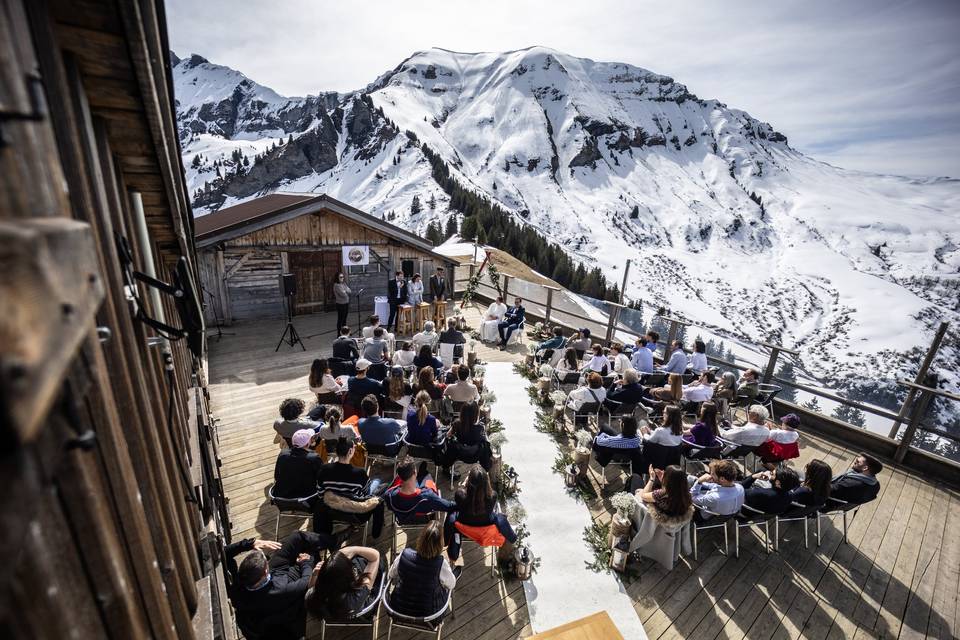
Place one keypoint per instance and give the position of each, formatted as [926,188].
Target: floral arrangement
[496,439]
[624,504]
[472,344]
[538,327]
[479,370]
[532,349]
[546,371]
[584,438]
[488,397]
[516,513]
[558,398]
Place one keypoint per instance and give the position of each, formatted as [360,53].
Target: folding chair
[698,453]
[447,354]
[368,616]
[393,409]
[748,517]
[587,410]
[617,411]
[734,451]
[766,396]
[290,508]
[835,506]
[798,513]
[491,542]
[380,453]
[660,456]
[426,453]
[715,521]
[618,459]
[566,379]
[432,623]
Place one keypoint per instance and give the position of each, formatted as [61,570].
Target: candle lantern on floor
[523,563]
[570,475]
[509,481]
[620,553]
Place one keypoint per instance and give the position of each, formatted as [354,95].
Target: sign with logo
[356,256]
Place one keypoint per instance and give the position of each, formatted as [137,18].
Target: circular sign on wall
[355,255]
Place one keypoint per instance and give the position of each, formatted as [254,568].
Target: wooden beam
[236,267]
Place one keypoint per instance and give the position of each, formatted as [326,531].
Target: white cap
[363,364]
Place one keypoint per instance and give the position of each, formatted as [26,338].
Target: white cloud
[830,75]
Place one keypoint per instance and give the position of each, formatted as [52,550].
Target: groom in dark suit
[438,286]
[512,320]
[396,296]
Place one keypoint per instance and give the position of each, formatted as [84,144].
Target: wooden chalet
[112,507]
[242,251]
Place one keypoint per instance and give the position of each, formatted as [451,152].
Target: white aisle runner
[563,588]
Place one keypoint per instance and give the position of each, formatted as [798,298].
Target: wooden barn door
[312,270]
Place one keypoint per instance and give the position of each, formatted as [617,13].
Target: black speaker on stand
[288,287]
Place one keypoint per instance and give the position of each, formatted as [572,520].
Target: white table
[382,308]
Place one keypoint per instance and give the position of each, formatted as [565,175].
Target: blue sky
[871,85]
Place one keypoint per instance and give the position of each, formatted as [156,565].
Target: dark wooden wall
[111,504]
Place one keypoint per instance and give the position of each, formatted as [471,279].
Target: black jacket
[295,474]
[438,287]
[395,294]
[765,499]
[854,487]
[514,315]
[626,394]
[345,348]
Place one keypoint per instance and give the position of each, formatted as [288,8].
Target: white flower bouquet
[624,504]
[584,438]
[546,371]
[558,398]
[497,439]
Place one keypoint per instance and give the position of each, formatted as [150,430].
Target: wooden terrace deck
[898,577]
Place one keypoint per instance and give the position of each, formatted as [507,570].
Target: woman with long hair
[425,358]
[415,290]
[476,507]
[341,296]
[341,586]
[422,428]
[426,382]
[667,491]
[670,433]
[705,431]
[422,576]
[670,392]
[467,440]
[321,380]
[816,484]
[405,355]
[333,427]
[569,362]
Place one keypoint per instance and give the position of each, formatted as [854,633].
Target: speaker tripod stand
[290,334]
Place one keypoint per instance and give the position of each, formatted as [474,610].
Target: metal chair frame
[587,410]
[373,457]
[799,512]
[413,526]
[767,393]
[704,453]
[748,517]
[739,452]
[844,508]
[616,460]
[423,453]
[420,624]
[720,523]
[305,512]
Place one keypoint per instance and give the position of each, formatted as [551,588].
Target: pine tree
[432,202]
[196,161]
[481,235]
[635,213]
[813,405]
[468,228]
[290,139]
[850,415]
[246,161]
[451,224]
[415,206]
[785,372]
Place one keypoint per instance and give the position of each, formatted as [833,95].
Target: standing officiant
[396,296]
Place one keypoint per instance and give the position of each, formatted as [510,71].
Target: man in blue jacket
[512,320]
[414,494]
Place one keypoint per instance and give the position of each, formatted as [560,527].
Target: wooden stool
[405,320]
[421,315]
[440,315]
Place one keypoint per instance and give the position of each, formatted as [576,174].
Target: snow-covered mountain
[724,221]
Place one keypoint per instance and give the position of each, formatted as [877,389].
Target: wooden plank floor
[898,577]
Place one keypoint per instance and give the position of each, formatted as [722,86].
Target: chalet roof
[265,211]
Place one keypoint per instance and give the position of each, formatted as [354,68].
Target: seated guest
[726,389]
[556,342]
[379,431]
[426,382]
[569,362]
[404,356]
[754,433]
[598,362]
[360,385]
[652,339]
[368,331]
[670,433]
[700,390]
[452,335]
[783,443]
[620,361]
[717,490]
[321,380]
[376,349]
[593,391]
[606,444]
[816,484]
[860,484]
[345,347]
[488,327]
[422,428]
[428,337]
[350,484]
[698,361]
[749,385]
[462,390]
[426,359]
[512,320]
[333,428]
[672,391]
[414,493]
[642,359]
[773,499]
[678,359]
[666,492]
[295,473]
[580,342]
[627,390]
[422,576]
[290,421]
[342,585]
[467,440]
[476,507]
[704,432]
[396,389]
[268,595]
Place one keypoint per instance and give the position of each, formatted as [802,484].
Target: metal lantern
[570,475]
[510,481]
[523,563]
[620,553]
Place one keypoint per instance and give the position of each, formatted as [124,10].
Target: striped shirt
[617,442]
[344,479]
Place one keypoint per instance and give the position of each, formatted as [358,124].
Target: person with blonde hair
[422,428]
[672,391]
[593,391]
[422,577]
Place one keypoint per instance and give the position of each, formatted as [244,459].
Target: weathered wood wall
[111,500]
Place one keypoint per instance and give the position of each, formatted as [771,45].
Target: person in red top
[414,493]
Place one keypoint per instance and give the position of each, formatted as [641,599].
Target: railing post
[503,291]
[671,336]
[771,365]
[920,408]
[611,323]
[921,376]
[623,288]
[546,313]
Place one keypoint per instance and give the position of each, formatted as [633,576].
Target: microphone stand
[216,316]
[359,327]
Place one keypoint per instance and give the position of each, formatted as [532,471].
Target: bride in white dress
[495,313]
